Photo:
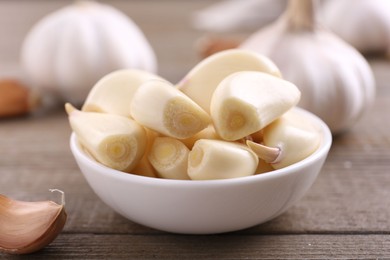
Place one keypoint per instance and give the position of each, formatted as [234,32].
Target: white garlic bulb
[336,82]
[366,27]
[237,15]
[69,50]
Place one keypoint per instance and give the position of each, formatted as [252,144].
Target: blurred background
[172,38]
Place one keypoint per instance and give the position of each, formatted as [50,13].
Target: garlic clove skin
[336,82]
[26,227]
[367,26]
[69,50]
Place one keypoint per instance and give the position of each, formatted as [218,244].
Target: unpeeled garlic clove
[26,227]
[16,99]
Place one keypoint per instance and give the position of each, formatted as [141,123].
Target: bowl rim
[321,151]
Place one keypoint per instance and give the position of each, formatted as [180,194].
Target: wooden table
[346,213]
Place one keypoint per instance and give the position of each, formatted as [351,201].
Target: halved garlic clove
[247,101]
[113,140]
[26,227]
[113,93]
[164,109]
[217,159]
[200,83]
[289,139]
[169,157]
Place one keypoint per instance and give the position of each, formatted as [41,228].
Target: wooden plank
[230,246]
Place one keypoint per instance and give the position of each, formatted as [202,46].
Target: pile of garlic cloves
[225,119]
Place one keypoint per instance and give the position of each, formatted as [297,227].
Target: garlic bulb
[367,26]
[336,82]
[236,15]
[69,50]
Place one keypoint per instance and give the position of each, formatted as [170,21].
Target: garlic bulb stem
[301,15]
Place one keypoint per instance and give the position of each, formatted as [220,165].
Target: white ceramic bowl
[204,207]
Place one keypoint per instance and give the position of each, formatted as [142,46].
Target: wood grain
[345,215]
[232,246]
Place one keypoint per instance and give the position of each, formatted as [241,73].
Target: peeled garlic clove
[287,140]
[200,83]
[216,159]
[144,167]
[169,157]
[113,140]
[164,109]
[26,227]
[113,93]
[247,101]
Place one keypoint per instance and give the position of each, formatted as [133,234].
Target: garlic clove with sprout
[26,227]
[247,101]
[366,27]
[200,83]
[116,141]
[287,140]
[336,82]
[69,50]
[113,93]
